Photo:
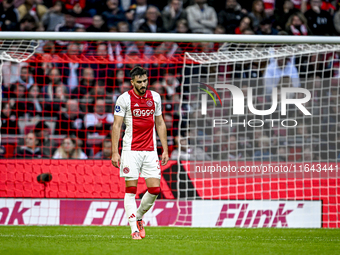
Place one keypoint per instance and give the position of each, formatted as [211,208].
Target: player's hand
[115,160]
[165,158]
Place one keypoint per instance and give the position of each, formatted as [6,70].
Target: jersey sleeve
[158,104]
[120,108]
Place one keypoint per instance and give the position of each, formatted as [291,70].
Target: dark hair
[28,18]
[137,71]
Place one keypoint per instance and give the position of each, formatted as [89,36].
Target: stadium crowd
[268,17]
[73,99]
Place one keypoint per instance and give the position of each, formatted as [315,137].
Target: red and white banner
[292,214]
[80,212]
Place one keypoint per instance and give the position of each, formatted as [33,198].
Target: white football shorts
[139,163]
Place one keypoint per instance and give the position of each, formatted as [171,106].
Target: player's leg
[149,197]
[151,172]
[147,202]
[130,205]
[129,169]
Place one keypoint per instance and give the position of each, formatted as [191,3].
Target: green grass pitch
[165,240]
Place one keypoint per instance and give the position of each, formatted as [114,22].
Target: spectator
[266,28]
[136,13]
[18,101]
[31,149]
[282,155]
[114,13]
[123,27]
[201,17]
[106,152]
[34,105]
[95,7]
[2,151]
[307,154]
[98,92]
[42,133]
[172,86]
[69,150]
[27,24]
[278,68]
[231,16]
[182,27]
[75,6]
[233,153]
[54,16]
[297,25]
[188,152]
[32,7]
[269,7]
[61,94]
[257,14]
[336,21]
[139,49]
[262,152]
[26,77]
[9,19]
[69,25]
[71,122]
[245,24]
[168,50]
[17,91]
[282,14]
[123,87]
[152,22]
[98,24]
[171,14]
[126,4]
[104,71]
[71,71]
[326,5]
[55,82]
[9,121]
[99,121]
[87,82]
[248,32]
[320,22]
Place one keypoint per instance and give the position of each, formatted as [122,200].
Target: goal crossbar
[167,37]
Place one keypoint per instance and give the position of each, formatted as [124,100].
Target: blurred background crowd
[60,104]
[264,17]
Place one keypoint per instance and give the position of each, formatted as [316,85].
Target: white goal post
[245,107]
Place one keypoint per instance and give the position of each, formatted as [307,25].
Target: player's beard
[140,92]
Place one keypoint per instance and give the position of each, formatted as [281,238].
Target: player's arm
[117,125]
[161,130]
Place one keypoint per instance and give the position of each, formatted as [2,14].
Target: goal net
[253,129]
[15,51]
[260,123]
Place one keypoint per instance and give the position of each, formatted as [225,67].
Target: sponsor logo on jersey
[126,170]
[137,104]
[117,108]
[140,113]
[149,103]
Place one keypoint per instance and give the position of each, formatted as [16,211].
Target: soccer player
[141,111]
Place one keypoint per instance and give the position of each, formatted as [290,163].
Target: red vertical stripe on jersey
[143,110]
